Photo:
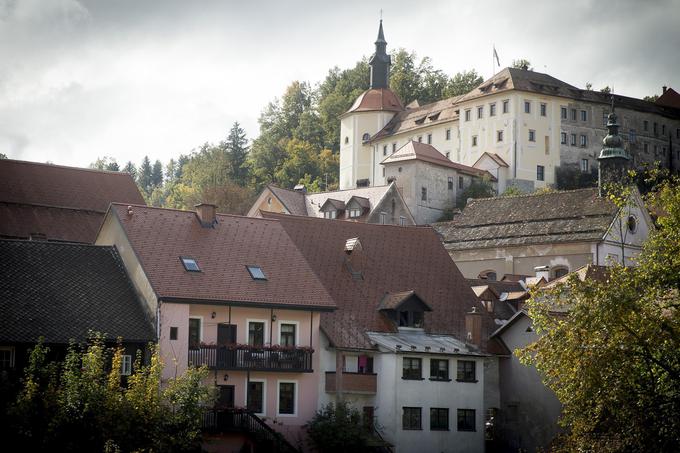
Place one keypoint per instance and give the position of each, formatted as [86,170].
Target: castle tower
[613,159]
[371,111]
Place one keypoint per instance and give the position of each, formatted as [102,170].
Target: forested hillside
[298,141]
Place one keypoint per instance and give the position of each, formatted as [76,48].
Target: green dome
[613,143]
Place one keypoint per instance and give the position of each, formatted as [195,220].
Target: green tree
[338,428]
[479,188]
[237,147]
[144,176]
[522,63]
[606,90]
[463,82]
[157,174]
[651,98]
[3,156]
[611,349]
[130,169]
[105,163]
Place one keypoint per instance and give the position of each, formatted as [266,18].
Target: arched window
[366,137]
[489,275]
[560,271]
[346,140]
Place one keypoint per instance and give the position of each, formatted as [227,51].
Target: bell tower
[380,62]
[613,159]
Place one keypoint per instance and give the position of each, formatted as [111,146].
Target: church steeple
[380,62]
[613,159]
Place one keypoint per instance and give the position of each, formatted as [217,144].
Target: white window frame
[532,136]
[480,112]
[492,109]
[11,355]
[266,339]
[585,166]
[474,140]
[506,106]
[448,134]
[126,365]
[499,136]
[564,140]
[543,109]
[264,394]
[429,138]
[297,330]
[527,107]
[468,114]
[295,398]
[352,211]
[402,220]
[383,218]
[200,332]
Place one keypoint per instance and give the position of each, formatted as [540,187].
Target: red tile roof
[670,98]
[62,203]
[160,237]
[393,259]
[377,99]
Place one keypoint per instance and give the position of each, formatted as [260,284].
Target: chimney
[300,188]
[473,327]
[542,271]
[664,88]
[206,214]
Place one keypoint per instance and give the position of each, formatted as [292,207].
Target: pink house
[233,293]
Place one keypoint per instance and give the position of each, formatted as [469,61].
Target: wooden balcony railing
[366,383]
[254,359]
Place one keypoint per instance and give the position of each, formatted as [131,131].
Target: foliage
[237,149]
[338,428]
[463,83]
[544,190]
[652,98]
[130,169]
[105,163]
[613,355]
[144,177]
[479,188]
[569,177]
[511,191]
[522,63]
[606,90]
[82,404]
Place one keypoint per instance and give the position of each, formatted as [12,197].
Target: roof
[417,117]
[392,301]
[382,99]
[160,237]
[419,342]
[494,157]
[61,291]
[587,272]
[423,152]
[393,259]
[293,200]
[565,216]
[669,98]
[61,203]
[365,196]
[335,204]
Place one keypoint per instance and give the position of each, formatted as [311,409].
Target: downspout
[514,149]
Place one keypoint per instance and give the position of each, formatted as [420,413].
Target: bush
[338,428]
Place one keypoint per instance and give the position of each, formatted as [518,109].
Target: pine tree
[130,169]
[237,147]
[144,175]
[157,174]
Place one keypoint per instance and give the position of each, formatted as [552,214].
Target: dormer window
[405,309]
[190,264]
[256,272]
[354,213]
[411,318]
[330,214]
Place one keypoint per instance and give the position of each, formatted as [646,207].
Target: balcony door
[226,334]
[226,396]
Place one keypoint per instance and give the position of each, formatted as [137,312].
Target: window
[527,107]
[540,173]
[411,319]
[383,218]
[256,397]
[544,110]
[461,182]
[645,125]
[365,364]
[645,147]
[563,138]
[656,129]
[355,212]
[466,371]
[583,141]
[448,134]
[412,368]
[584,115]
[423,193]
[631,223]
[467,115]
[6,358]
[190,264]
[663,129]
[402,220]
[474,140]
[499,136]
[286,398]
[173,333]
[563,113]
[394,147]
[332,214]
[366,137]
[584,166]
[288,332]
[480,112]
[384,150]
[492,109]
[632,136]
[450,183]
[439,419]
[346,140]
[411,418]
[561,272]
[605,118]
[532,135]
[466,420]
[506,106]
[269,200]
[420,139]
[126,365]
[256,272]
[573,114]
[677,133]
[573,139]
[256,333]
[194,332]
[489,275]
[429,139]
[439,370]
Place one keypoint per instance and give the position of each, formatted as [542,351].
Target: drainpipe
[338,374]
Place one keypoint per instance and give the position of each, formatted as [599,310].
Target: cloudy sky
[128,78]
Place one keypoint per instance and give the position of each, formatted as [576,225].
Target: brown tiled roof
[374,99]
[394,259]
[336,204]
[413,150]
[161,236]
[670,98]
[61,291]
[392,301]
[293,200]
[422,116]
[62,203]
[587,272]
[566,216]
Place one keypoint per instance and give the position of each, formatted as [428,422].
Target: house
[61,292]
[232,293]
[380,204]
[57,203]
[408,344]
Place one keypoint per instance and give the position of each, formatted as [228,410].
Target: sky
[128,78]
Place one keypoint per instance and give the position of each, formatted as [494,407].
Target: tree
[589,86]
[651,98]
[237,147]
[611,349]
[522,64]
[3,156]
[338,428]
[606,90]
[144,176]
[157,174]
[463,83]
[479,188]
[105,163]
[130,169]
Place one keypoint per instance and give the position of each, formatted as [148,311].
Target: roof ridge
[46,164]
[371,225]
[50,243]
[533,194]
[160,208]
[346,190]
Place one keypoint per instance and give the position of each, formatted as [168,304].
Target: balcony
[244,357]
[366,383]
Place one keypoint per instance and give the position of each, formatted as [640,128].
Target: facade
[410,349]
[381,204]
[56,203]
[562,230]
[232,293]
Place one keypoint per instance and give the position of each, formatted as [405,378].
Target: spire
[380,62]
[613,159]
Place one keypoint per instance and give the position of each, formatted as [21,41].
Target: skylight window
[190,264]
[256,273]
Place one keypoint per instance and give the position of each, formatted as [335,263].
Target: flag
[495,54]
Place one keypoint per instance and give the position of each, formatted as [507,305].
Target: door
[226,334]
[225,398]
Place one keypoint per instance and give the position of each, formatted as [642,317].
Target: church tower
[613,161]
[371,111]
